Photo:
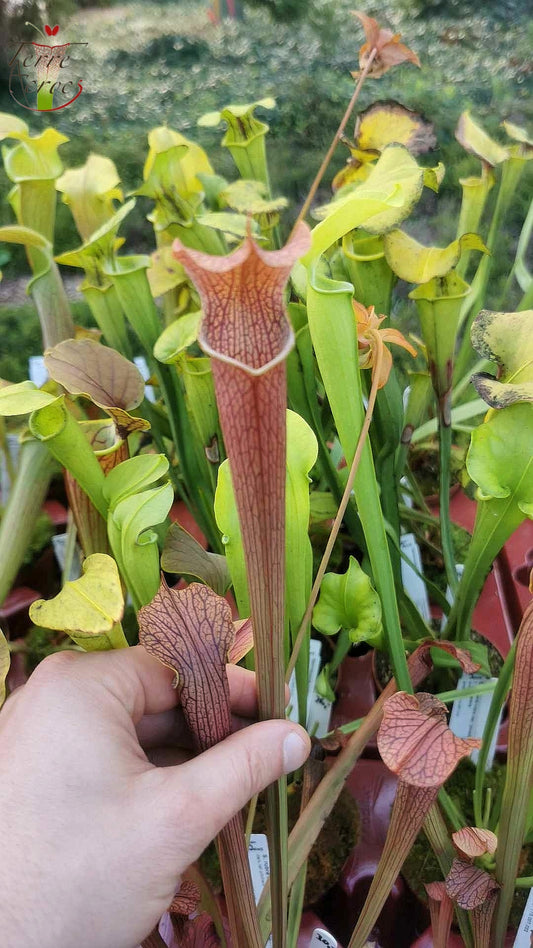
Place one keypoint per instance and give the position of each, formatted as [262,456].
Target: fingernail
[295,751]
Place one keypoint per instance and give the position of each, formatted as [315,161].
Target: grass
[20,337]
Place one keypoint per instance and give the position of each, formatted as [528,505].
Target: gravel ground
[13,292]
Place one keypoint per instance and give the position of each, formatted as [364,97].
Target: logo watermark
[45,78]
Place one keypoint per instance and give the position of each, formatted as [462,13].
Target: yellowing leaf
[248,197]
[5,661]
[35,158]
[88,609]
[165,272]
[12,127]
[242,124]
[507,339]
[415,263]
[387,122]
[379,204]
[188,159]
[90,191]
[476,141]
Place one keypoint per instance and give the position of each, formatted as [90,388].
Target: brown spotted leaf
[191,631]
[469,886]
[100,373]
[415,741]
[473,842]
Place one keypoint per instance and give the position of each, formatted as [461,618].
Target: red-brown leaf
[420,663]
[191,631]
[186,900]
[389,51]
[441,912]
[415,741]
[473,842]
[199,932]
[100,373]
[469,886]
[245,322]
[244,640]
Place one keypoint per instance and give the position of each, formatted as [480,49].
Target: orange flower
[372,339]
[390,52]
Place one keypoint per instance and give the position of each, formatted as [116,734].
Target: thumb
[209,790]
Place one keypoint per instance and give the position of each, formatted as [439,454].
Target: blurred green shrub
[282,11]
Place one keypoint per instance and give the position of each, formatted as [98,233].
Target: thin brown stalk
[336,139]
[340,514]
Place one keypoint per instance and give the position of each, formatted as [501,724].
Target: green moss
[40,643]
[421,865]
[337,839]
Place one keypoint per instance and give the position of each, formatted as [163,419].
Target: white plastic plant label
[13,447]
[259,861]
[322,939]
[315,653]
[414,584]
[524,935]
[469,715]
[59,543]
[318,715]
[142,366]
[318,708]
[37,370]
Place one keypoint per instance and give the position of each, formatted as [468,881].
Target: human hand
[95,835]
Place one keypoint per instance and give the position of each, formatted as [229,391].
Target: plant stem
[70,548]
[336,139]
[252,807]
[445,439]
[501,689]
[298,642]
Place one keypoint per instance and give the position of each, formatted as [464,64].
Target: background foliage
[157,62]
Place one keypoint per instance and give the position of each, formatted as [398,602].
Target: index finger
[145,686]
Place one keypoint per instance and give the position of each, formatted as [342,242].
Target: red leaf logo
[51,31]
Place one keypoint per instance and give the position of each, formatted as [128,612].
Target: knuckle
[54,667]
